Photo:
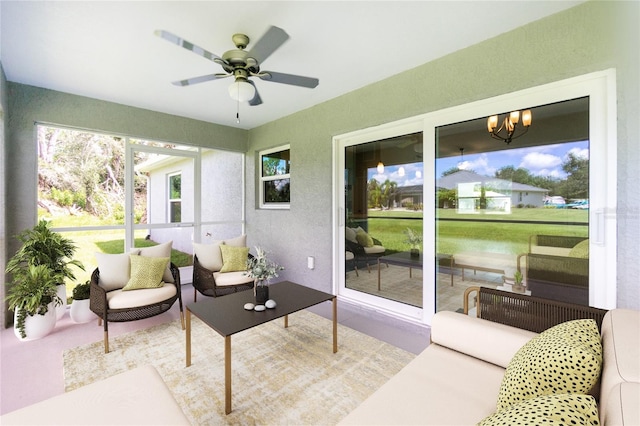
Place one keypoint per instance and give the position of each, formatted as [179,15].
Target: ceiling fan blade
[172,38]
[268,43]
[201,79]
[257,100]
[294,80]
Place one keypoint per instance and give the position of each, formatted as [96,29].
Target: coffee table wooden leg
[188,337]
[286,321]
[335,323]
[227,374]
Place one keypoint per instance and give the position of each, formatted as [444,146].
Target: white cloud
[579,153]
[479,165]
[536,162]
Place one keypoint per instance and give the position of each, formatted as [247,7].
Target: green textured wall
[591,37]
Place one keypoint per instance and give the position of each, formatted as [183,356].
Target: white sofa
[456,380]
[135,397]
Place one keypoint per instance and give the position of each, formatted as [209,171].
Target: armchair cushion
[350,234]
[160,250]
[146,272]
[120,299]
[210,255]
[114,269]
[234,258]
[231,278]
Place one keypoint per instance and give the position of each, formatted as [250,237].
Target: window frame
[170,200]
[262,179]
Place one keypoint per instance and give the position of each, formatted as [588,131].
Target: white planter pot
[62,294]
[36,326]
[80,312]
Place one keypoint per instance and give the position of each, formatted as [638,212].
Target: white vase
[80,312]
[62,294]
[36,326]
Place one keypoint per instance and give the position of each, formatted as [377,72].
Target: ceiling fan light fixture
[242,91]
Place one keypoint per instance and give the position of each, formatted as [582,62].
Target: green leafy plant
[413,238]
[517,278]
[82,291]
[261,268]
[32,291]
[42,246]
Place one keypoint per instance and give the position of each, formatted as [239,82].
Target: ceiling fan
[242,64]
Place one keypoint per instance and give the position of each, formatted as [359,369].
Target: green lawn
[480,234]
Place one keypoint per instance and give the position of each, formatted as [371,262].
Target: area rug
[279,376]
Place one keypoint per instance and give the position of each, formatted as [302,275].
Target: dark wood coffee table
[227,316]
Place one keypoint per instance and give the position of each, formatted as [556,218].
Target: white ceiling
[108,50]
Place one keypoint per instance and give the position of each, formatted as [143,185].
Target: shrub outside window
[275,178]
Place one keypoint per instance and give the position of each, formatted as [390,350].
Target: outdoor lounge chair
[215,283]
[112,304]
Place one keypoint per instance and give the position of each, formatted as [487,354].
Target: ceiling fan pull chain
[238,112]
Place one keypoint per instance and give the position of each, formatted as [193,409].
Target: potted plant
[262,270]
[415,241]
[80,312]
[518,286]
[33,298]
[42,246]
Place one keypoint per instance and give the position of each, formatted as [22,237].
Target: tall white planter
[36,326]
[62,294]
[80,312]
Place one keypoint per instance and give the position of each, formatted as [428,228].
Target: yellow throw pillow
[363,238]
[580,250]
[146,272]
[566,358]
[234,258]
[563,409]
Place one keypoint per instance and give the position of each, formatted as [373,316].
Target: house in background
[499,195]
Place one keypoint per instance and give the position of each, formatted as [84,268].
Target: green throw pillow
[146,272]
[580,250]
[234,258]
[364,239]
[563,359]
[563,409]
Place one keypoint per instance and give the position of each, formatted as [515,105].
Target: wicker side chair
[99,304]
[214,284]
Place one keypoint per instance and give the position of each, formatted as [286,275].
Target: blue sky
[543,160]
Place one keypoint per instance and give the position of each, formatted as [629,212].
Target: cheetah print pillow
[565,409]
[563,359]
[146,272]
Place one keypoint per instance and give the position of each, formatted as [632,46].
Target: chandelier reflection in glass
[507,130]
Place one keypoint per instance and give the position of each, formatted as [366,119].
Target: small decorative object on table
[415,241]
[518,286]
[262,270]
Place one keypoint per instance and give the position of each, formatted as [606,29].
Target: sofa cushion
[118,299]
[622,407]
[234,258]
[146,272]
[621,347]
[486,340]
[438,387]
[563,409]
[563,359]
[114,269]
[350,234]
[160,250]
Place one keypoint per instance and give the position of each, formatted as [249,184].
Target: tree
[576,186]
[375,194]
[388,189]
